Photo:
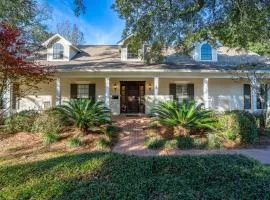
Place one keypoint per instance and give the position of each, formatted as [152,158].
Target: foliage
[170,144]
[185,142]
[75,142]
[14,66]
[214,141]
[103,143]
[154,142]
[114,176]
[70,32]
[187,115]
[20,122]
[238,124]
[49,137]
[29,16]
[49,121]
[175,22]
[85,113]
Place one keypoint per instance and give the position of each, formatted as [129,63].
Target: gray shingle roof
[108,57]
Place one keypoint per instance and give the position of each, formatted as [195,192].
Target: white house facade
[127,84]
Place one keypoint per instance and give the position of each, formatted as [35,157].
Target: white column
[205,93]
[156,87]
[253,88]
[107,92]
[58,91]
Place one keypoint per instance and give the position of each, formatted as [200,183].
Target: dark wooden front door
[132,96]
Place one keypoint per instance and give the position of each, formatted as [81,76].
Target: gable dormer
[204,52]
[60,49]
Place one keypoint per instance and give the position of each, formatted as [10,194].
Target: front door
[132,96]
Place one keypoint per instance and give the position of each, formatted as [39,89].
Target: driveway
[131,141]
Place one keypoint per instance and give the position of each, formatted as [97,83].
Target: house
[120,78]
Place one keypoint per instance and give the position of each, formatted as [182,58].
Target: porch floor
[131,141]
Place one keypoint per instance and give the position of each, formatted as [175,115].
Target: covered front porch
[136,93]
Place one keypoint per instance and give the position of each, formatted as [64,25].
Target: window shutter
[190,91]
[173,90]
[73,91]
[247,96]
[92,92]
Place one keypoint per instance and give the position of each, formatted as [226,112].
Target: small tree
[15,65]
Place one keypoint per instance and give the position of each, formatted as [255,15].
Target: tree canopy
[71,32]
[28,16]
[235,23]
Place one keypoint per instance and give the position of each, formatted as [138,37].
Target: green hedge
[238,125]
[114,176]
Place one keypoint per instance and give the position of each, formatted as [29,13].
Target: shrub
[185,142]
[85,113]
[20,122]
[49,121]
[187,115]
[103,143]
[50,137]
[170,144]
[75,142]
[238,125]
[154,142]
[214,141]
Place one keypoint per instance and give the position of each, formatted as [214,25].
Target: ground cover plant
[189,126]
[115,176]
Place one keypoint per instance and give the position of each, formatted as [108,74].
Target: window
[132,52]
[182,92]
[206,52]
[58,51]
[83,91]
[261,97]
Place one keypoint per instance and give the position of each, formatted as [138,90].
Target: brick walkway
[131,141]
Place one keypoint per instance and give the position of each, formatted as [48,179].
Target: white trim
[47,42]
[205,93]
[156,88]
[58,91]
[253,94]
[107,92]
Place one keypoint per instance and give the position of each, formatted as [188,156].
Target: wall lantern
[150,86]
[115,87]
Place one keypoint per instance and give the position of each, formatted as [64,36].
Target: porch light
[115,87]
[150,86]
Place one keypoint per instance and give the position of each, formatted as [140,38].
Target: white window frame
[183,94]
[83,91]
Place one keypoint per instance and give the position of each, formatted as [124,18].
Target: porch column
[253,84]
[156,87]
[7,99]
[107,92]
[58,91]
[205,93]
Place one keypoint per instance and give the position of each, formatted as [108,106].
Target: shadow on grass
[114,176]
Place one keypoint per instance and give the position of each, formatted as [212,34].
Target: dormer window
[206,52]
[132,53]
[58,51]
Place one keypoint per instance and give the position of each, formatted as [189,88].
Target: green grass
[113,176]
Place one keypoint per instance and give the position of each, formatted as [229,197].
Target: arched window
[206,52]
[58,51]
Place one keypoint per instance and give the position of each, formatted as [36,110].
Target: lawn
[115,176]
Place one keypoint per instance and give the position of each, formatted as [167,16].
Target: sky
[100,23]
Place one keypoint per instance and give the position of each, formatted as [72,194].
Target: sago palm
[85,113]
[187,115]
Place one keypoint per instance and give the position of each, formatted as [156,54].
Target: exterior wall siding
[224,94]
